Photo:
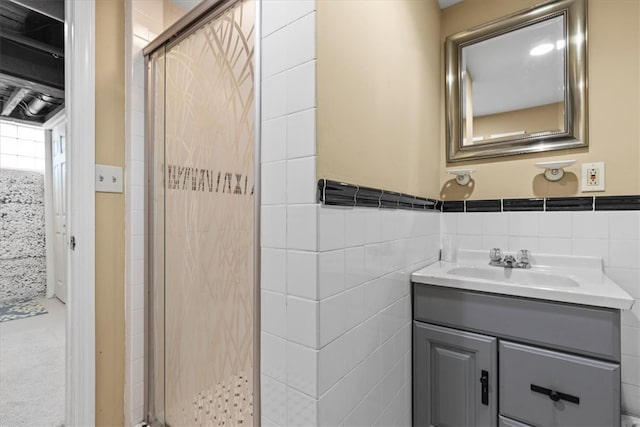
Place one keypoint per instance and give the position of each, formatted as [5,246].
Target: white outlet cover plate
[588,188]
[108,179]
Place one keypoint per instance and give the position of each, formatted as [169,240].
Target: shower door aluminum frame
[185,26]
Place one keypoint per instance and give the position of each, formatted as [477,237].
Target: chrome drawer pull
[555,395]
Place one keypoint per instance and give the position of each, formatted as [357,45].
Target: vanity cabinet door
[454,377]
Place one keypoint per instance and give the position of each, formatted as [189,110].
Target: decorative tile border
[453,206]
[569,204]
[617,203]
[555,204]
[519,205]
[483,205]
[336,193]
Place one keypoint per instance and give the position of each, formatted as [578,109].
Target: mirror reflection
[518,84]
[513,84]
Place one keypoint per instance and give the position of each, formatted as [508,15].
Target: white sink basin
[514,276]
[571,279]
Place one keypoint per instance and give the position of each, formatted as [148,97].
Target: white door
[58,159]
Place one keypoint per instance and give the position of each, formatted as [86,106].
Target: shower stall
[202,225]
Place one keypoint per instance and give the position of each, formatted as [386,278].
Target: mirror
[517,85]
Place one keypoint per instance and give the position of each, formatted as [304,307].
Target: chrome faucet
[509,261]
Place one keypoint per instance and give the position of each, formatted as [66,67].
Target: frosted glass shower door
[203,276]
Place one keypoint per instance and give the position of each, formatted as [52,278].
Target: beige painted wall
[110,251]
[614,108]
[378,89]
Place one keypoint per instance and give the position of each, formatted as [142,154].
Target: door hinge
[72,243]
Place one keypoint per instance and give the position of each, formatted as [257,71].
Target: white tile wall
[348,347]
[143,23]
[614,236]
[336,310]
[374,346]
[290,307]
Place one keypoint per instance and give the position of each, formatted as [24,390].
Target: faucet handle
[523,256]
[495,254]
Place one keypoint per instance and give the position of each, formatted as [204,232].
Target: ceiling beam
[31,43]
[52,8]
[13,101]
[28,63]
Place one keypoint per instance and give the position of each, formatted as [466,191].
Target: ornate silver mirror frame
[574,133]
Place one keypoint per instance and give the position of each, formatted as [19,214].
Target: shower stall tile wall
[612,235]
[289,214]
[336,334]
[22,252]
[144,22]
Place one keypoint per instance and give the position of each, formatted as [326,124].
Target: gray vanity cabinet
[458,377]
[495,360]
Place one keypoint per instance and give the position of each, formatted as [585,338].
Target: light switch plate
[593,177]
[108,179]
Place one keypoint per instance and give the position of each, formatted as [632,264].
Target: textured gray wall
[22,235]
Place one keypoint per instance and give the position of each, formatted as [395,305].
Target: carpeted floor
[32,369]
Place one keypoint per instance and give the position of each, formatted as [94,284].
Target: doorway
[78,76]
[32,320]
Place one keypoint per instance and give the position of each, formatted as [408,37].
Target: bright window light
[21,147]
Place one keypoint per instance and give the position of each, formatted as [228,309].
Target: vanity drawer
[591,331]
[549,388]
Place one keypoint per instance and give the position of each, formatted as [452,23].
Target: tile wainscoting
[602,226]
[336,320]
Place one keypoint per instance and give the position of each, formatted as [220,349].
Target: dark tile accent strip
[368,197]
[389,199]
[342,194]
[420,203]
[618,203]
[321,184]
[338,193]
[406,201]
[511,205]
[569,204]
[483,205]
[453,206]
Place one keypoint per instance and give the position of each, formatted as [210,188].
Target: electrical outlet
[593,177]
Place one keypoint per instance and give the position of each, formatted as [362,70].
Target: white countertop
[571,279]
